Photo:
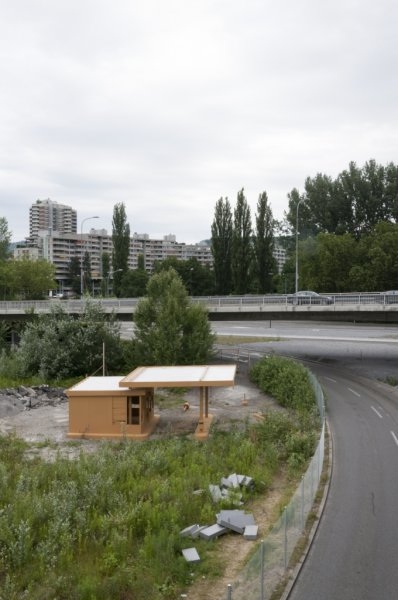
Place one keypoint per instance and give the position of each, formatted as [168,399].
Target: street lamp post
[82,257]
[297,271]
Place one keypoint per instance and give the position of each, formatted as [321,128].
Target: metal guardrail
[215,303]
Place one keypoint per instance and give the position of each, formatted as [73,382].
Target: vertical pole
[229,592]
[302,503]
[297,271]
[103,359]
[285,518]
[312,480]
[262,597]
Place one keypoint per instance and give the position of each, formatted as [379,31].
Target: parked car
[308,297]
[389,297]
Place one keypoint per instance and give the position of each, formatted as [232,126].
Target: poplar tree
[5,238]
[242,251]
[265,264]
[221,246]
[121,246]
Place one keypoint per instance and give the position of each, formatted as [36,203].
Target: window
[133,410]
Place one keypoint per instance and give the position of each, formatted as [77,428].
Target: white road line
[354,392]
[377,412]
[395,437]
[330,379]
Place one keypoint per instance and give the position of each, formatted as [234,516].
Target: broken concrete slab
[191,555]
[189,531]
[236,520]
[233,480]
[226,482]
[215,492]
[246,481]
[214,531]
[196,533]
[250,532]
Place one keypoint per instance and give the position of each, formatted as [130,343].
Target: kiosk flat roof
[177,376]
[98,384]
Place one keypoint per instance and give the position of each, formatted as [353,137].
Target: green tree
[5,239]
[197,278]
[74,275]
[326,263]
[121,246]
[354,202]
[58,345]
[105,270]
[169,330]
[221,246]
[265,265]
[242,251]
[87,279]
[378,262]
[29,279]
[135,281]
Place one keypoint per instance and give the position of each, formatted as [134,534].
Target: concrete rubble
[234,520]
[22,398]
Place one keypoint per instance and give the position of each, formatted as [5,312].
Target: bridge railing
[257,302]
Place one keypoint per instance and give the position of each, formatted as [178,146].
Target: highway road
[354,552]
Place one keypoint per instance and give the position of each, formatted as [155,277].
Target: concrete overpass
[369,307]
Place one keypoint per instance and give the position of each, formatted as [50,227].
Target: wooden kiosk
[113,407]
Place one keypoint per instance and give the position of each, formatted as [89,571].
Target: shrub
[286,380]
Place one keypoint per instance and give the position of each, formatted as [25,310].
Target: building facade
[60,248]
[53,236]
[51,216]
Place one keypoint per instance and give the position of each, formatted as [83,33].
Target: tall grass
[106,525]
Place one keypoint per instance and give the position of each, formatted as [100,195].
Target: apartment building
[280,256]
[59,249]
[51,216]
[53,236]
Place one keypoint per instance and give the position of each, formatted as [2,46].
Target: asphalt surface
[353,555]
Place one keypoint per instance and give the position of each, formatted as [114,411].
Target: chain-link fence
[268,566]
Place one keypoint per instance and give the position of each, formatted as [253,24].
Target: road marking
[354,392]
[330,379]
[395,437]
[377,412]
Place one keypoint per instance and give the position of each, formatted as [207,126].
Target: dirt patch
[41,421]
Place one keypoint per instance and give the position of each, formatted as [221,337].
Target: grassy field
[107,524]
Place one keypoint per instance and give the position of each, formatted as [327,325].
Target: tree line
[346,229]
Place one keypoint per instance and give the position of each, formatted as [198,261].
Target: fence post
[285,519]
[262,597]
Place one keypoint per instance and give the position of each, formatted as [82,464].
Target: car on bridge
[309,297]
[389,297]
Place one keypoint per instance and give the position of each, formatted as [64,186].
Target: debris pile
[234,520]
[15,400]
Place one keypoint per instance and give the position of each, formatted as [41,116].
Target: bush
[285,380]
[58,345]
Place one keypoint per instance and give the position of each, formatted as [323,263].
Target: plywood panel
[119,410]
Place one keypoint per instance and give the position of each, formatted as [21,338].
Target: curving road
[354,555]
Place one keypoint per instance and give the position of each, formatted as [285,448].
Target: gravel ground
[38,419]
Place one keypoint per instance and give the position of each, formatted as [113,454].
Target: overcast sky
[167,106]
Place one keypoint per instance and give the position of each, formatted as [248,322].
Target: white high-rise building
[47,215]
